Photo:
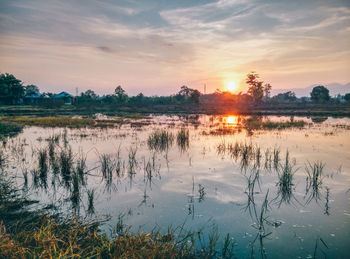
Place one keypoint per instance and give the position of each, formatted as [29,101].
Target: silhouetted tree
[267,90]
[320,94]
[285,97]
[31,90]
[256,89]
[122,97]
[347,97]
[89,94]
[11,89]
[189,93]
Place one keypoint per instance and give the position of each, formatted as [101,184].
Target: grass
[256,123]
[160,140]
[66,164]
[183,139]
[314,180]
[51,121]
[285,180]
[39,234]
[3,159]
[9,129]
[43,166]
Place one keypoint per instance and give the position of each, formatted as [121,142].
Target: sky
[155,47]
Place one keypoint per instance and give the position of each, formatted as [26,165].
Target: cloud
[169,43]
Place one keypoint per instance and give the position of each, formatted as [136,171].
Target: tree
[256,89]
[121,95]
[31,90]
[320,94]
[267,90]
[195,94]
[11,88]
[285,97]
[89,94]
[189,93]
[347,97]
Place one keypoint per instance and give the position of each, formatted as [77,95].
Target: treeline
[14,92]
[186,95]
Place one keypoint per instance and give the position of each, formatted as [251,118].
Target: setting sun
[231,86]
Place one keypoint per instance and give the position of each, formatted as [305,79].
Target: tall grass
[160,140]
[43,166]
[50,121]
[3,159]
[183,139]
[9,129]
[285,180]
[91,197]
[276,158]
[66,164]
[38,234]
[314,180]
[75,191]
[132,160]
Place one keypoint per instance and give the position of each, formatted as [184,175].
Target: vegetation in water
[42,234]
[9,129]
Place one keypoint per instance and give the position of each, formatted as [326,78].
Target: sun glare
[231,120]
[231,86]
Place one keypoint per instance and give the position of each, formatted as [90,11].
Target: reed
[66,164]
[132,160]
[276,158]
[183,139]
[285,180]
[314,180]
[91,197]
[75,191]
[160,140]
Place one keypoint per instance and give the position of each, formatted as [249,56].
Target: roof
[63,95]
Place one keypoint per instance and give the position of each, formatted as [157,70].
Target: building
[66,97]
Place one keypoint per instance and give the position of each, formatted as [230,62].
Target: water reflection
[231,120]
[173,170]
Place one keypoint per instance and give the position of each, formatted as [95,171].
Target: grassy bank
[136,112]
[256,124]
[29,233]
[50,121]
[9,129]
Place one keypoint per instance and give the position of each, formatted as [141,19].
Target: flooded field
[276,190]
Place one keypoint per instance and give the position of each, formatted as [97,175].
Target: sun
[231,86]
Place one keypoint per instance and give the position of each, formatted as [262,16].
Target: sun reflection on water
[231,120]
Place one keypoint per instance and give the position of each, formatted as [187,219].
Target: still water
[278,193]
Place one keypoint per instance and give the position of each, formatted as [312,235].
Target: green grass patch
[51,121]
[26,233]
[257,123]
[9,129]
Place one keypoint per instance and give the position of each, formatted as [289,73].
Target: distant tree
[256,88]
[140,97]
[194,96]
[189,93]
[347,97]
[185,91]
[267,90]
[89,94]
[285,97]
[320,94]
[86,98]
[109,99]
[31,90]
[11,89]
[122,97]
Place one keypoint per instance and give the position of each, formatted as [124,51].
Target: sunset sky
[155,47]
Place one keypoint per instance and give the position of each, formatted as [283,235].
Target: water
[204,185]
